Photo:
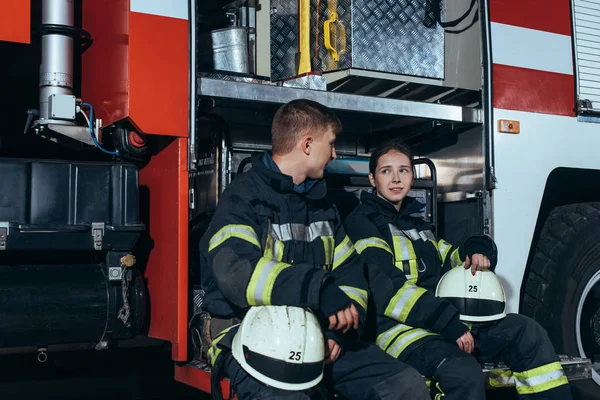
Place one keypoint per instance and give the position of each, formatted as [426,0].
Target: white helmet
[478,298]
[281,346]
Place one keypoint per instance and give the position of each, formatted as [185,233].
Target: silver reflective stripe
[443,247]
[286,232]
[390,334]
[412,234]
[362,244]
[395,231]
[406,340]
[342,253]
[405,245]
[540,379]
[259,290]
[427,235]
[360,296]
[401,302]
[244,232]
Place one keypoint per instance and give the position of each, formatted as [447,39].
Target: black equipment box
[59,205]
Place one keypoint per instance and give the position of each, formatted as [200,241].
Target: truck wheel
[562,291]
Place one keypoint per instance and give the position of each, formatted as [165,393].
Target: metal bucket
[224,50]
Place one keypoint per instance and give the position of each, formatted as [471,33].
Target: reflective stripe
[443,248]
[262,281]
[213,351]
[406,339]
[410,269]
[403,301]
[328,243]
[273,249]
[385,338]
[358,295]
[501,378]
[403,248]
[540,379]
[243,232]
[342,252]
[441,393]
[395,231]
[412,234]
[427,235]
[379,243]
[455,260]
[286,232]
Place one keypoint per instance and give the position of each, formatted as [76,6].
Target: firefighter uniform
[272,242]
[405,261]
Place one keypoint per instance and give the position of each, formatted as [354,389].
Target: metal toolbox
[391,36]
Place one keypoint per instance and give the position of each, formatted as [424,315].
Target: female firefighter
[405,262]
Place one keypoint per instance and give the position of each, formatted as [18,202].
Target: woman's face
[393,177]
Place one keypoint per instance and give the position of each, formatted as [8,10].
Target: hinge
[3,235]
[98,234]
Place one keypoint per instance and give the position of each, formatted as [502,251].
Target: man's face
[322,151]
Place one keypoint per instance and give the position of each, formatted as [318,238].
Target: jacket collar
[409,206]
[270,173]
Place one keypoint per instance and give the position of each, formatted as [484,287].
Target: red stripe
[549,15]
[533,91]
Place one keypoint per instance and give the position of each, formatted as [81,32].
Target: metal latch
[3,235]
[98,234]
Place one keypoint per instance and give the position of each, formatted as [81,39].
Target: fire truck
[139,113]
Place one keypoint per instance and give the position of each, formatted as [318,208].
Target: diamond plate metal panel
[284,39]
[390,36]
[322,59]
[377,35]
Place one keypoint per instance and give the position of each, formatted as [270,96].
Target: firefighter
[275,240]
[405,261]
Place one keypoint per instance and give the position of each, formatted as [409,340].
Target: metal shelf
[234,92]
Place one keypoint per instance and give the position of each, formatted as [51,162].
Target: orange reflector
[507,126]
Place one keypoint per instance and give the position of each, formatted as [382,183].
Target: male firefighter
[405,262]
[275,241]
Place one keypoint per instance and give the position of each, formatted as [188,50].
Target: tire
[557,292]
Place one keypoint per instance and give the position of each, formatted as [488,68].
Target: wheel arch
[564,186]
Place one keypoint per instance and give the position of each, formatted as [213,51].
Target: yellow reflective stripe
[244,232]
[501,378]
[414,272]
[455,260]
[403,248]
[356,294]
[428,382]
[385,338]
[214,351]
[261,283]
[406,339]
[443,248]
[441,393]
[540,379]
[273,249]
[403,301]
[328,243]
[342,252]
[376,242]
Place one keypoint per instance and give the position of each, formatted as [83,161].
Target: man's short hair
[297,118]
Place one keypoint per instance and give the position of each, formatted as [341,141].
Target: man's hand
[466,343]
[344,319]
[332,352]
[479,263]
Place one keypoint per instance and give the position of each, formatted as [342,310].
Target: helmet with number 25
[478,298]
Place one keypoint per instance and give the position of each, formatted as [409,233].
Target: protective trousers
[518,341]
[362,372]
